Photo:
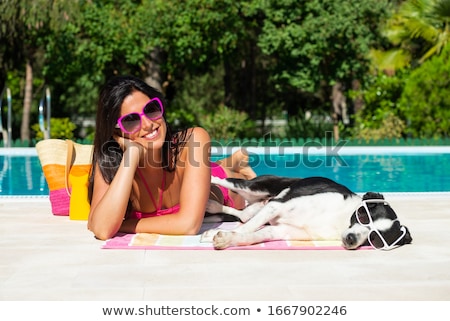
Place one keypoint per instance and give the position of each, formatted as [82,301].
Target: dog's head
[376,225]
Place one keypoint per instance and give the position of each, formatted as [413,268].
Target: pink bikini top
[216,170]
[159,211]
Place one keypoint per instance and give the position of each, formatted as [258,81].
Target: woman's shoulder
[193,142]
[200,133]
[194,134]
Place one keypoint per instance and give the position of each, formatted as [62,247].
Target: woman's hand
[110,200]
[126,144]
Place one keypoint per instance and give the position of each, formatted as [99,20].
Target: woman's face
[152,132]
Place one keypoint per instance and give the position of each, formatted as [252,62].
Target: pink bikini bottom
[219,172]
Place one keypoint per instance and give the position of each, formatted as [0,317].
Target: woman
[146,179]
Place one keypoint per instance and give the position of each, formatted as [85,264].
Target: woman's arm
[109,201]
[194,192]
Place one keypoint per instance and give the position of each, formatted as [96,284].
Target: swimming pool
[362,169]
[21,173]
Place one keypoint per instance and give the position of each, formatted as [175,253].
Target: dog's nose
[350,239]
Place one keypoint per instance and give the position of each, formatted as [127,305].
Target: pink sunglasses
[131,123]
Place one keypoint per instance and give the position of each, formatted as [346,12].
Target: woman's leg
[237,165]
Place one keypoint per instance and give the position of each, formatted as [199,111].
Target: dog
[305,209]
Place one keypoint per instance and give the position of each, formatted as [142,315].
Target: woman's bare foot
[241,166]
[237,165]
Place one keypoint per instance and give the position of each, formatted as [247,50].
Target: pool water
[21,175]
[429,172]
[364,173]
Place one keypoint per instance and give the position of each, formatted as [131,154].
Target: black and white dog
[314,208]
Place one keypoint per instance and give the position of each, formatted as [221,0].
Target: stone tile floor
[46,257]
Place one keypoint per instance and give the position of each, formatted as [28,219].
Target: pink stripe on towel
[145,241]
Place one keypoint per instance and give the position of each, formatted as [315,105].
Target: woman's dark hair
[107,152]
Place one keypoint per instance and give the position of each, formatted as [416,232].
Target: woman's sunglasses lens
[152,110]
[131,122]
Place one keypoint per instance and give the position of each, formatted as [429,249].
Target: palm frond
[441,9]
[417,24]
[393,59]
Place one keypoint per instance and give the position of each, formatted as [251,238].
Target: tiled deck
[45,257]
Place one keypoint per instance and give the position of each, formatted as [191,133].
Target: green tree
[192,37]
[315,45]
[265,56]
[418,30]
[25,26]
[103,40]
[72,46]
[197,40]
[425,103]
[276,55]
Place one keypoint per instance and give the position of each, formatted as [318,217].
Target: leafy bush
[59,128]
[226,123]
[390,126]
[315,125]
[425,101]
[380,117]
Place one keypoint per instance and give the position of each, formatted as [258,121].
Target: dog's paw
[214,207]
[207,236]
[223,239]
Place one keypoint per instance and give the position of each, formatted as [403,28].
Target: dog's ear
[373,195]
[407,239]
